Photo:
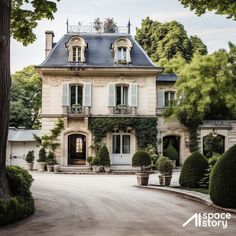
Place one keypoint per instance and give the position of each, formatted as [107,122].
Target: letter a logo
[195,217]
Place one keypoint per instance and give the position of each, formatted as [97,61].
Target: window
[121,95]
[121,54]
[76,95]
[79,145]
[169,96]
[121,144]
[76,51]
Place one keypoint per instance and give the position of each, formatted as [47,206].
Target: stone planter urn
[56,168]
[41,166]
[107,169]
[143,177]
[29,166]
[165,180]
[96,169]
[50,168]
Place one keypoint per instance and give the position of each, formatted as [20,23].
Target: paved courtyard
[102,205]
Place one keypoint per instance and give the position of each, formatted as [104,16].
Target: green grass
[200,190]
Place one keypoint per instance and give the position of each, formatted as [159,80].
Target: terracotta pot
[161,179]
[107,169]
[50,168]
[56,168]
[142,178]
[167,180]
[29,166]
[41,166]
[96,169]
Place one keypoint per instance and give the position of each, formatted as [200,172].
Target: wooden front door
[76,149]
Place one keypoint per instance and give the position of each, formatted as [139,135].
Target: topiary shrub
[96,161]
[30,157]
[142,159]
[165,166]
[223,180]
[193,170]
[172,153]
[104,156]
[42,155]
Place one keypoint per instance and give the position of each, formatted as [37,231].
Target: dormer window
[76,47]
[122,50]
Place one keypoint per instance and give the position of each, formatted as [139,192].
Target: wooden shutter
[65,94]
[160,98]
[112,95]
[87,95]
[133,95]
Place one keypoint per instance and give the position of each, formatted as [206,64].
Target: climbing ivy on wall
[145,128]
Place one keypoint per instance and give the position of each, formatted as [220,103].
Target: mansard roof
[167,78]
[98,53]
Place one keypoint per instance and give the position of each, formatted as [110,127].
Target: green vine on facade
[145,128]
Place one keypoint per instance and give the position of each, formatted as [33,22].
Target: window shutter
[133,95]
[160,98]
[65,94]
[87,95]
[112,95]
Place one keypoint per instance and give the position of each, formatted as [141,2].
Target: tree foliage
[168,40]
[26,98]
[221,7]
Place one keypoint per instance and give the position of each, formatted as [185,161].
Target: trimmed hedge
[104,156]
[223,180]
[193,170]
[141,158]
[21,204]
[172,153]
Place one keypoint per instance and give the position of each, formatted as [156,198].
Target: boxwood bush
[171,152]
[223,180]
[104,156]
[21,204]
[142,159]
[193,170]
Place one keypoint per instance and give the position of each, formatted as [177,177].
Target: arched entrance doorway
[76,149]
[174,141]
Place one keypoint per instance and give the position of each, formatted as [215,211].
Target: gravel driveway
[107,205]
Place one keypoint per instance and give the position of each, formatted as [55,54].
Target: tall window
[121,95]
[79,145]
[76,95]
[121,144]
[76,53]
[121,54]
[169,96]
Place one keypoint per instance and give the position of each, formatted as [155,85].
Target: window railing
[123,110]
[76,109]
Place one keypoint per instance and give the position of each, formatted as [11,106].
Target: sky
[215,30]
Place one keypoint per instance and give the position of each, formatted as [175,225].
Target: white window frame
[122,94]
[76,93]
[121,143]
[78,54]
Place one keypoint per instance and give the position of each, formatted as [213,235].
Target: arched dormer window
[76,47]
[122,48]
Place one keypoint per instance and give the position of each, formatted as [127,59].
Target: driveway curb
[200,198]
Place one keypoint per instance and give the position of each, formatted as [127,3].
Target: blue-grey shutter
[87,95]
[133,95]
[112,95]
[65,94]
[160,99]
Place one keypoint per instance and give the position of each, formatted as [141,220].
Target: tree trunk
[5,84]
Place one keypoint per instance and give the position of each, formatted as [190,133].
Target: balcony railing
[123,110]
[76,109]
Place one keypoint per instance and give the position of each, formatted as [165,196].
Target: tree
[26,98]
[167,40]
[20,20]
[221,7]
[206,90]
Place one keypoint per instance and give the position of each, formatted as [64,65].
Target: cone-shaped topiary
[193,170]
[104,156]
[223,180]
[172,153]
[141,158]
[42,155]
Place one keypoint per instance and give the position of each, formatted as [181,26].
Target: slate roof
[98,53]
[22,135]
[167,78]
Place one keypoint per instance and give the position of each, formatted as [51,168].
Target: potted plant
[42,160]
[89,160]
[56,167]
[165,166]
[50,161]
[30,160]
[96,164]
[152,151]
[105,159]
[142,159]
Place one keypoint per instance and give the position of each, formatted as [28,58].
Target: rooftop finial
[129,25]
[67,26]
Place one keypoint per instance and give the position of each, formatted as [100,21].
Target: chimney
[48,42]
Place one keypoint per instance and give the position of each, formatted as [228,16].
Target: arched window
[79,145]
[121,95]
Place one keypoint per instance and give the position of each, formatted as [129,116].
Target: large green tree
[17,18]
[26,97]
[168,40]
[221,7]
